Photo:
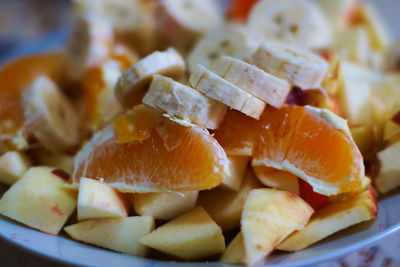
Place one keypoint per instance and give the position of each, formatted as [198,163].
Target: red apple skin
[373,206]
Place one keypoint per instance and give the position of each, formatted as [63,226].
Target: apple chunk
[331,219]
[237,169]
[269,216]
[389,173]
[40,200]
[234,253]
[164,205]
[13,164]
[119,234]
[225,206]
[99,200]
[191,236]
[277,179]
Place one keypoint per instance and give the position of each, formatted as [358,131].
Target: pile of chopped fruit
[172,127]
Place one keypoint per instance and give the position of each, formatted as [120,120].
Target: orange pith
[15,76]
[296,140]
[172,157]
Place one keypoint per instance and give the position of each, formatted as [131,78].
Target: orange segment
[15,76]
[179,157]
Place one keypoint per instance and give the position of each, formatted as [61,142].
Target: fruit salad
[178,131]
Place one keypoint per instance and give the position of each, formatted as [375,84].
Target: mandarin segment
[175,156]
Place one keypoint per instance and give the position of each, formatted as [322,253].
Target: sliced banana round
[300,68]
[183,21]
[184,102]
[298,22]
[231,40]
[132,83]
[257,82]
[55,121]
[89,44]
[225,92]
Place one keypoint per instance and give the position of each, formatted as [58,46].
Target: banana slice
[232,40]
[132,83]
[298,22]
[184,102]
[257,82]
[225,92]
[89,44]
[182,22]
[300,68]
[56,124]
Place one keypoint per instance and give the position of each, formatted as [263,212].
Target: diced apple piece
[331,219]
[13,164]
[164,205]
[277,179]
[336,9]
[119,234]
[237,169]
[391,131]
[234,253]
[225,206]
[365,138]
[352,43]
[58,160]
[99,200]
[269,216]
[39,200]
[191,236]
[389,173]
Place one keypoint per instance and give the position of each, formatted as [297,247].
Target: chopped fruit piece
[40,200]
[235,253]
[184,102]
[389,173]
[55,120]
[43,157]
[352,43]
[99,200]
[240,9]
[219,89]
[191,236]
[15,76]
[236,173]
[225,206]
[132,84]
[366,139]
[164,205]
[155,163]
[277,179]
[269,216]
[331,219]
[13,165]
[237,133]
[315,200]
[253,80]
[119,234]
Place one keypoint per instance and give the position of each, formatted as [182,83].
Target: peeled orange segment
[313,144]
[236,134]
[15,76]
[170,156]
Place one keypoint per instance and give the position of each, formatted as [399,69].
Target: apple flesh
[389,174]
[99,200]
[13,164]
[164,205]
[225,206]
[268,217]
[237,169]
[234,253]
[191,236]
[352,42]
[331,219]
[62,161]
[39,200]
[119,234]
[277,179]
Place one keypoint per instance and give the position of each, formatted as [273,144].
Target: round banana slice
[132,84]
[300,68]
[257,82]
[232,40]
[298,22]
[183,21]
[55,121]
[225,92]
[184,102]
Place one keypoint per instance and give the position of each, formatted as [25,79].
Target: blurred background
[28,26]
